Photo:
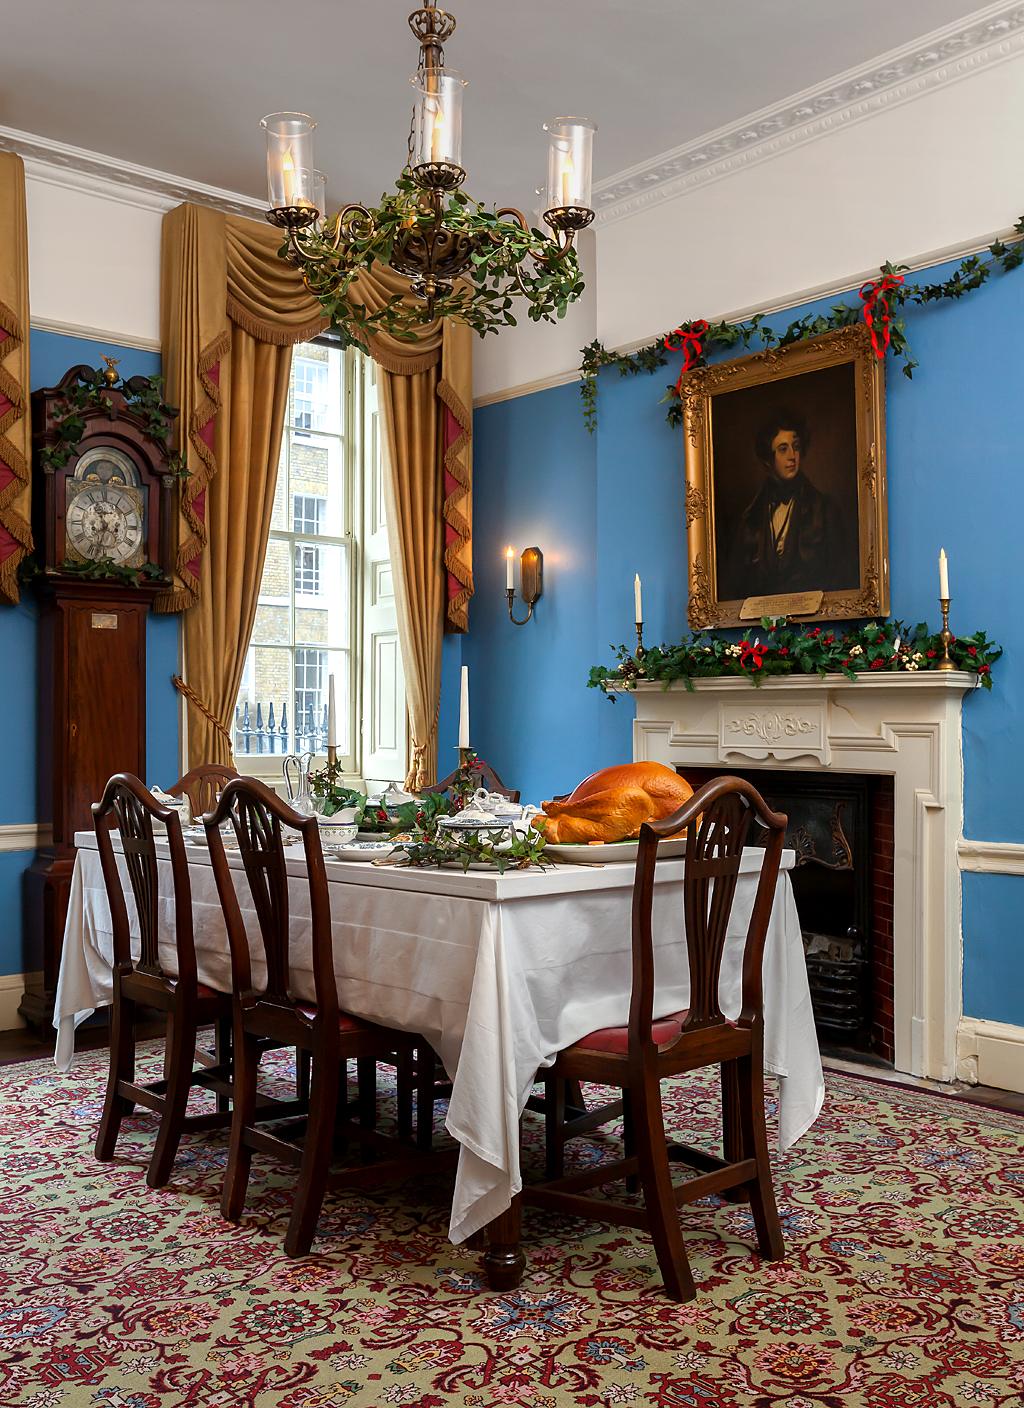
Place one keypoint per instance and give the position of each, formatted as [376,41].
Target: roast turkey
[613,804]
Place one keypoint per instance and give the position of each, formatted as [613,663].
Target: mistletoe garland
[143,396]
[886,646]
[881,303]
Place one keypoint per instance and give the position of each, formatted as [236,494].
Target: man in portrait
[790,537]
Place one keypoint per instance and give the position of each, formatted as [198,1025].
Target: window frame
[268,766]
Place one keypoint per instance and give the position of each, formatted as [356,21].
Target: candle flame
[509,554]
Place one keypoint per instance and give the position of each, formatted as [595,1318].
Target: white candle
[464,709]
[943,575]
[288,177]
[509,556]
[638,601]
[332,716]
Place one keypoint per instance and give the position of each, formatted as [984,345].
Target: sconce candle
[509,579]
[464,709]
[531,581]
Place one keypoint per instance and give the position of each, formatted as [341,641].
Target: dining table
[497,971]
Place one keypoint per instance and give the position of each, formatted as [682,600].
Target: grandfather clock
[103,488]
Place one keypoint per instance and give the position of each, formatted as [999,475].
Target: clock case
[91,713]
[114,424]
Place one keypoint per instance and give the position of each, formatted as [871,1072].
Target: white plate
[359,850]
[610,850]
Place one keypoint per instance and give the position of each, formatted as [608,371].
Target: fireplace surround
[899,726]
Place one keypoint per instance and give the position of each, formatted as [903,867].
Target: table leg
[504,1261]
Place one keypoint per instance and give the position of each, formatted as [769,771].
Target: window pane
[279,516]
[273,625]
[264,710]
[317,401]
[322,602]
[275,584]
[313,669]
[316,467]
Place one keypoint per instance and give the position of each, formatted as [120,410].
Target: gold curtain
[15,425]
[222,280]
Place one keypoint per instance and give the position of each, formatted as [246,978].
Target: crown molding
[989,36]
[91,173]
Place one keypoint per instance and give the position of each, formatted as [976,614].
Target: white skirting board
[990,1053]
[12,990]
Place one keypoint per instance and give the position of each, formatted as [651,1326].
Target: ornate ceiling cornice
[985,38]
[75,168]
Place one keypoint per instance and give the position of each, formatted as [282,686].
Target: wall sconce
[531,581]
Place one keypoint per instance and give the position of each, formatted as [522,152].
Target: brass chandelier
[462,260]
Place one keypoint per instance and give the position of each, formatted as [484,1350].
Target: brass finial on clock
[110,376]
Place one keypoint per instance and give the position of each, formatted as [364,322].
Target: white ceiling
[180,85]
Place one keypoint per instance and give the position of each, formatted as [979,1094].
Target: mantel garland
[787,649]
[881,302]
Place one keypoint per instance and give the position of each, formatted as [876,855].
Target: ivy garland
[787,649]
[881,303]
[482,297]
[143,396]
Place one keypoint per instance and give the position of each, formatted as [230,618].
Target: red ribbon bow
[689,340]
[877,298]
[752,655]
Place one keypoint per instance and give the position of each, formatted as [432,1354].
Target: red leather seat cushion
[616,1039]
[346,1022]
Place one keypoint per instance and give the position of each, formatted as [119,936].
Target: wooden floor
[26,1046]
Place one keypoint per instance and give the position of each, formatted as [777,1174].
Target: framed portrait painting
[785,484]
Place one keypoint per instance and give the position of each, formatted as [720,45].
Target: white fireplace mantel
[906,726]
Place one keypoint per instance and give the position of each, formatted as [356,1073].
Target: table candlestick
[944,635]
[639,640]
[332,755]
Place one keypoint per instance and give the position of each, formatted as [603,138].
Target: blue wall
[51,354]
[605,506]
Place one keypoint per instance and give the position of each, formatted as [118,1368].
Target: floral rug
[903,1286]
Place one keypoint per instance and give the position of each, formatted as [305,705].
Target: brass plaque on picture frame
[785,483]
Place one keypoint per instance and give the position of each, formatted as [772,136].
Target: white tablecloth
[499,973]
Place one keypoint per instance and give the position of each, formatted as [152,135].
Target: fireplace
[904,728]
[841,828]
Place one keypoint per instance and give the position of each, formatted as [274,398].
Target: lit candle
[332,717]
[943,575]
[568,171]
[288,177]
[464,709]
[638,601]
[509,583]
[437,132]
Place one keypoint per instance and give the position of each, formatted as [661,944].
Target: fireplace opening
[841,828]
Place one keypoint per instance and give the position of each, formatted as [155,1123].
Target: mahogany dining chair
[636,1058]
[270,1009]
[201,785]
[144,982]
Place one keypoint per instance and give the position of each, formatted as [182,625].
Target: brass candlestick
[945,636]
[639,639]
[332,754]
[466,756]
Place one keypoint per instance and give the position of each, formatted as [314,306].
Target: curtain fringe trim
[14,459]
[278,335]
[457,607]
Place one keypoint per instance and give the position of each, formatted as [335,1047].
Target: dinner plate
[359,850]
[610,850]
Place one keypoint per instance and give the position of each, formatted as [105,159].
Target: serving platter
[586,854]
[359,850]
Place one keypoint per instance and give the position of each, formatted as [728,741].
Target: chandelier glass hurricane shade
[462,260]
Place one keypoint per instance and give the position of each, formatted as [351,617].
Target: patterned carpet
[903,1288]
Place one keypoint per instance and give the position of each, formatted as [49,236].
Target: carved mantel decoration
[785,484]
[906,727]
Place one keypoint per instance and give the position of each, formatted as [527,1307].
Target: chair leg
[554,1125]
[403,1091]
[659,1200]
[316,1159]
[426,1076]
[755,1139]
[181,1046]
[366,1075]
[302,1063]
[222,1054]
[629,1140]
[122,1068]
[236,1175]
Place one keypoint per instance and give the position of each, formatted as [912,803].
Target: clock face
[104,520]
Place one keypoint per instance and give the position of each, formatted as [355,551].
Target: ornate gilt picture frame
[785,484]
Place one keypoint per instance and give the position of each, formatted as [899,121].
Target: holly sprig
[492,847]
[971,274]
[781,647]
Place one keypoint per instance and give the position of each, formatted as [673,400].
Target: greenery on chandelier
[782,648]
[143,397]
[881,303]
[482,296]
